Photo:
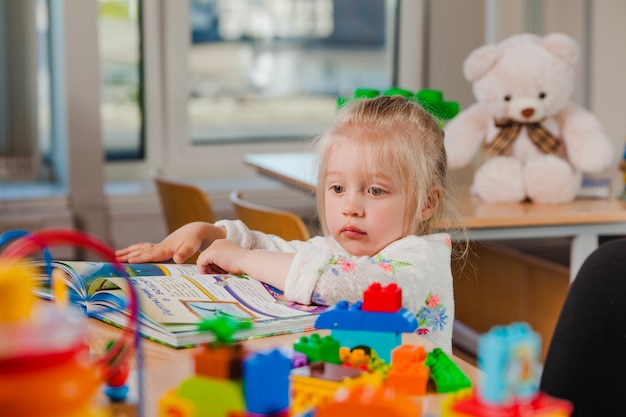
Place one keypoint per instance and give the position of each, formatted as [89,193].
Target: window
[121,108]
[272,69]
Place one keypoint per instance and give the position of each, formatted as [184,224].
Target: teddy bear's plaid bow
[510,129]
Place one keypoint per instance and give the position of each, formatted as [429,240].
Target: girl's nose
[352,205]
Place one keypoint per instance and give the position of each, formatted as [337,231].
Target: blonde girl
[381,190]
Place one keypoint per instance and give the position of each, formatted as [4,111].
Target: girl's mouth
[352,232]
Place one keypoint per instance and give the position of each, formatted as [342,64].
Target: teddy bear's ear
[480,61]
[561,45]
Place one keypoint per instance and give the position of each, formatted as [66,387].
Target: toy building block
[297,359]
[344,316]
[408,373]
[317,348]
[267,369]
[379,342]
[170,405]
[446,374]
[315,384]
[510,359]
[223,327]
[368,401]
[382,299]
[220,361]
[541,405]
[356,357]
[212,397]
[341,316]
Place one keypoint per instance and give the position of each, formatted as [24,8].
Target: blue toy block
[341,316]
[401,321]
[381,342]
[344,316]
[266,382]
[510,359]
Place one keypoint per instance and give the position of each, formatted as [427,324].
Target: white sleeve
[238,232]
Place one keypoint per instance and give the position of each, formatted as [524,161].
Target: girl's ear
[432,202]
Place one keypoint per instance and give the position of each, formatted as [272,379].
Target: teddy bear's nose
[528,112]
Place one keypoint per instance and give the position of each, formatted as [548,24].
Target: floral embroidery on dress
[433,316]
[448,241]
[387,265]
[317,299]
[342,265]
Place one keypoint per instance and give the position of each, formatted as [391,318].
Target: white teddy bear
[536,142]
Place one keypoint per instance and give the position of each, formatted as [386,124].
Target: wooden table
[164,368]
[581,220]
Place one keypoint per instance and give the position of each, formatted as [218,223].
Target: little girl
[381,187]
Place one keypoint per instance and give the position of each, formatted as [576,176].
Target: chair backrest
[183,203]
[269,220]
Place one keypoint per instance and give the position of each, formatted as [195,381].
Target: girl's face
[364,210]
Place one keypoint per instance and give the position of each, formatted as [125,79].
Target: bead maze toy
[43,354]
[509,357]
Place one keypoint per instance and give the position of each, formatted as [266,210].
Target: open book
[173,299]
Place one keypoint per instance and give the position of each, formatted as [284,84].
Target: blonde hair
[400,136]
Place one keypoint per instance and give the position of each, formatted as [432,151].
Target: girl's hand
[222,256]
[179,246]
[266,266]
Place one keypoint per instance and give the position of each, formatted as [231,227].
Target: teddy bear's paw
[551,180]
[499,180]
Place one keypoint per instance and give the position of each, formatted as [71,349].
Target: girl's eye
[507,97]
[542,95]
[337,188]
[377,192]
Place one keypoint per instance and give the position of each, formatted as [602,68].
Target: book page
[189,299]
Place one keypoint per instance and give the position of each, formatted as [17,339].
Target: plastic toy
[380,328]
[431,100]
[369,401]
[230,381]
[317,348]
[509,357]
[447,375]
[43,349]
[314,385]
[408,373]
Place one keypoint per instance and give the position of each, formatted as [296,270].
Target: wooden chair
[183,203]
[269,220]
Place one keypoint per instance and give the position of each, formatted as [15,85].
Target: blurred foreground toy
[230,381]
[45,366]
[509,357]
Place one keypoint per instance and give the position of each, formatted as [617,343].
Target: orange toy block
[220,361]
[408,373]
[368,401]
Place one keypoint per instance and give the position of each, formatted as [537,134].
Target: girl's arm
[179,246]
[267,266]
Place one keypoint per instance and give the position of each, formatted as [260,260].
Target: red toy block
[542,405]
[382,299]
